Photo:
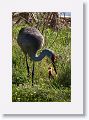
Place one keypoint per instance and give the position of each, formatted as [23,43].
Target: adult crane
[30,41]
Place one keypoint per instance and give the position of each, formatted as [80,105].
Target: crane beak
[53,63]
[54,67]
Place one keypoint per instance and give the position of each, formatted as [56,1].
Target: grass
[44,90]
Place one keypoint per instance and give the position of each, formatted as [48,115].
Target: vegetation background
[56,30]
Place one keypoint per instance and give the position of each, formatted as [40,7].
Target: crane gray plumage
[31,40]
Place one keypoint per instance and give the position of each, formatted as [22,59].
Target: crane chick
[50,73]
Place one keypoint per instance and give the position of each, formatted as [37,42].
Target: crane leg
[27,66]
[33,74]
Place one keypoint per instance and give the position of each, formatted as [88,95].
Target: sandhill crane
[30,40]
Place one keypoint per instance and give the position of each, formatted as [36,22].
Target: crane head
[53,57]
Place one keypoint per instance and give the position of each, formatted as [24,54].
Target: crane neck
[45,52]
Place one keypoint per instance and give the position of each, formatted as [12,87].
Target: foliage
[44,89]
[40,93]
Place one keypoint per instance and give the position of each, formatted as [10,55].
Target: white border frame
[76,104]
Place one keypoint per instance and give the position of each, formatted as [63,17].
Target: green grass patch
[44,90]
